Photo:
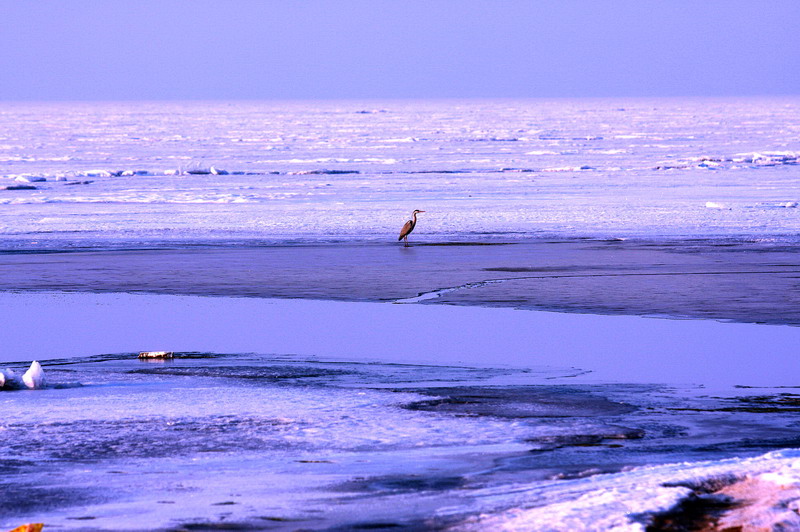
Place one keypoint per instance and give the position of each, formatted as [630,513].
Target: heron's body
[408,227]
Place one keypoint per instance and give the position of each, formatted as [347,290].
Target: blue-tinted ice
[264,440]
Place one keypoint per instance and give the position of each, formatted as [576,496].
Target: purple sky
[262,49]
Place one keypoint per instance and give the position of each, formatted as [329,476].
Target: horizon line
[400,99]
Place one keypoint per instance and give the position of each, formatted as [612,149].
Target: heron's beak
[421,211]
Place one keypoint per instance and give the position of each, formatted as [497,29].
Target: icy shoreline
[347,413]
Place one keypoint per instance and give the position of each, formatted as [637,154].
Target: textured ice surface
[324,414]
[628,501]
[214,440]
[283,171]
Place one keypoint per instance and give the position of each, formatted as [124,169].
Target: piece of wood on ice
[156,354]
[30,527]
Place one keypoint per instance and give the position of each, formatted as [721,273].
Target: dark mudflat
[727,280]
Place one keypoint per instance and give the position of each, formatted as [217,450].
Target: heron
[408,227]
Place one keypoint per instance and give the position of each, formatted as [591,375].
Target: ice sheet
[283,171]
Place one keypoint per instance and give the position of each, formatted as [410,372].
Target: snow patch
[629,501]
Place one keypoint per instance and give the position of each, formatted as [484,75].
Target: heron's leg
[405,241]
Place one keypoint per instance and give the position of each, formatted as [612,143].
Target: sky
[353,49]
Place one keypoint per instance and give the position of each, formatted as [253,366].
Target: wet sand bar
[747,282]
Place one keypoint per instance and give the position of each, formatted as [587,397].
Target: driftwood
[30,527]
[156,354]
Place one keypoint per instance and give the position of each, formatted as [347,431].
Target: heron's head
[416,211]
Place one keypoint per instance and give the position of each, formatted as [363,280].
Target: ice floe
[32,379]
[568,168]
[323,172]
[749,160]
[767,158]
[127,173]
[779,205]
[100,173]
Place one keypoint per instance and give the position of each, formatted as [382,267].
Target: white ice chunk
[128,173]
[542,152]
[34,377]
[10,380]
[401,140]
[100,173]
[30,179]
[770,158]
[568,168]
[717,205]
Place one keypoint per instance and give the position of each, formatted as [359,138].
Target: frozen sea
[214,230]
[355,170]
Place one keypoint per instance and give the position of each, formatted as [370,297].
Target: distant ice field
[87,173]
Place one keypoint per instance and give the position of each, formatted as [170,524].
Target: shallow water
[708,278]
[591,349]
